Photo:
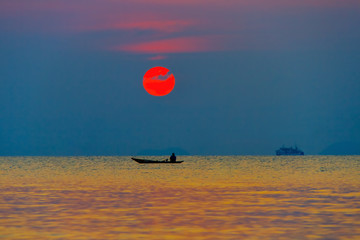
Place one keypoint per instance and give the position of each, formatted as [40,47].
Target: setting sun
[159,81]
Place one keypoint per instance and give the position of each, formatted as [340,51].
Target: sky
[250,76]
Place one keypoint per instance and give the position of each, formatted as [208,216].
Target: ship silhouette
[289,151]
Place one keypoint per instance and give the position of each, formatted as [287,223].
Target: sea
[205,197]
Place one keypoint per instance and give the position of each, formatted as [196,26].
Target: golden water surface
[206,197]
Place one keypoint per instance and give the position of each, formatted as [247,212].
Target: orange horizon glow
[158,81]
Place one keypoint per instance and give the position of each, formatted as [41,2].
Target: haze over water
[206,197]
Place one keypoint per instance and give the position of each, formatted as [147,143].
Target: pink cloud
[155,7]
[160,25]
[163,26]
[174,45]
[157,57]
[253,3]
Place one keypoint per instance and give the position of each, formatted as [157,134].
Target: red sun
[159,81]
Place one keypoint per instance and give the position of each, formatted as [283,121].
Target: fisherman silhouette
[173,158]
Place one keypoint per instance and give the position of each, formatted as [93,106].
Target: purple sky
[250,76]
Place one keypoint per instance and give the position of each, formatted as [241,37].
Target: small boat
[289,151]
[153,161]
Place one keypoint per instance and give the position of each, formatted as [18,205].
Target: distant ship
[289,151]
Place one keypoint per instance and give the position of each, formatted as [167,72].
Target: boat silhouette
[139,160]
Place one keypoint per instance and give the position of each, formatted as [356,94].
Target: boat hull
[152,161]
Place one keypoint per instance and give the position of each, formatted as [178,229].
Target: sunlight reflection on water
[206,197]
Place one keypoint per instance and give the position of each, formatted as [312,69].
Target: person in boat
[173,157]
